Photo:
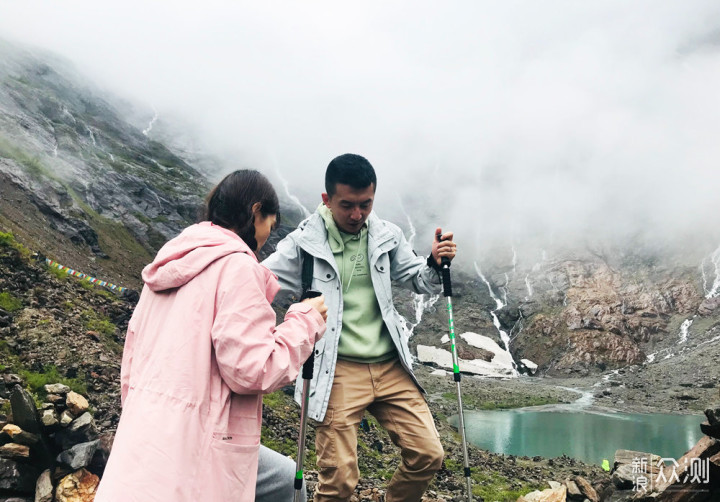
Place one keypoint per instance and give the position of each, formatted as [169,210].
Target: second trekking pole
[447,291]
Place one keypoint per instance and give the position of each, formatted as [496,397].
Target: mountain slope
[78,181]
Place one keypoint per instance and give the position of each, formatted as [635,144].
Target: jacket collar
[314,239]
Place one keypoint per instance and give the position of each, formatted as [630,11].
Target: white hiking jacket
[391,259]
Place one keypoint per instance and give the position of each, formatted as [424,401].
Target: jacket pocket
[323,272]
[232,467]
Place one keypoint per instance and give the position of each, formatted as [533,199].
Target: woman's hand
[318,303]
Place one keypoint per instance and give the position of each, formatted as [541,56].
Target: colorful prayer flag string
[80,275]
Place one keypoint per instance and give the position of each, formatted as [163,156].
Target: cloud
[559,120]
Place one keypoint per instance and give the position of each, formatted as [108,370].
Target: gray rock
[78,456]
[17,477]
[12,380]
[713,415]
[15,451]
[66,418]
[586,489]
[44,487]
[82,422]
[55,398]
[20,436]
[708,306]
[57,388]
[49,418]
[623,477]
[25,414]
[81,430]
[710,430]
[573,492]
[102,455]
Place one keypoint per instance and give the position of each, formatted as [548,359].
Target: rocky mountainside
[581,315]
[77,180]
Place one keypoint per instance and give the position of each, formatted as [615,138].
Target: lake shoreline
[621,394]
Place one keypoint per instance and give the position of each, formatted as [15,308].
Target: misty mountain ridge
[82,183]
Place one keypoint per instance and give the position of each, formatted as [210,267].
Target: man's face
[350,206]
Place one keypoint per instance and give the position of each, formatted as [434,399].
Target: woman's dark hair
[230,203]
[349,169]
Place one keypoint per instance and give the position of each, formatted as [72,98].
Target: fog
[554,122]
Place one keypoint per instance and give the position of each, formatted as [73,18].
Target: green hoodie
[364,337]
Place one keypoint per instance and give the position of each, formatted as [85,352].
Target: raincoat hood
[188,254]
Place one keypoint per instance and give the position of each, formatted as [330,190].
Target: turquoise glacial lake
[585,435]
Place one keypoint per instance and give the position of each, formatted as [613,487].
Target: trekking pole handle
[309,366]
[445,271]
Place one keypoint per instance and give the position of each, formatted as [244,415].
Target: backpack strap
[307,270]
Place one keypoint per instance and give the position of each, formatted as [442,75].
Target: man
[363,362]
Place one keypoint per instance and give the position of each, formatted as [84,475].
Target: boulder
[713,415]
[586,489]
[624,477]
[76,403]
[44,487]
[15,451]
[573,492]
[49,418]
[549,495]
[79,486]
[710,430]
[25,414]
[19,436]
[709,306]
[79,456]
[66,418]
[57,388]
[81,430]
[102,454]
[630,456]
[17,477]
[55,399]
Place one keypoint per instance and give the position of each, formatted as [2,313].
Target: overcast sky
[500,120]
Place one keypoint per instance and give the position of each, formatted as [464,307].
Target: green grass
[57,273]
[36,381]
[101,325]
[492,486]
[7,239]
[501,402]
[97,322]
[10,303]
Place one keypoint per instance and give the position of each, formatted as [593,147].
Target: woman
[202,348]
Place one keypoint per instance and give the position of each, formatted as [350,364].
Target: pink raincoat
[202,348]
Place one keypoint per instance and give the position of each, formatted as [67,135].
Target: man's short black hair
[349,169]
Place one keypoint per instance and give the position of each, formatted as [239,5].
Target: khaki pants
[387,391]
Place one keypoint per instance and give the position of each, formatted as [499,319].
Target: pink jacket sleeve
[253,354]
[127,359]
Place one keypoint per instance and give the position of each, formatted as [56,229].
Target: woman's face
[263,226]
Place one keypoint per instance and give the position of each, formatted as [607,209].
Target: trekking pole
[447,291]
[307,374]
